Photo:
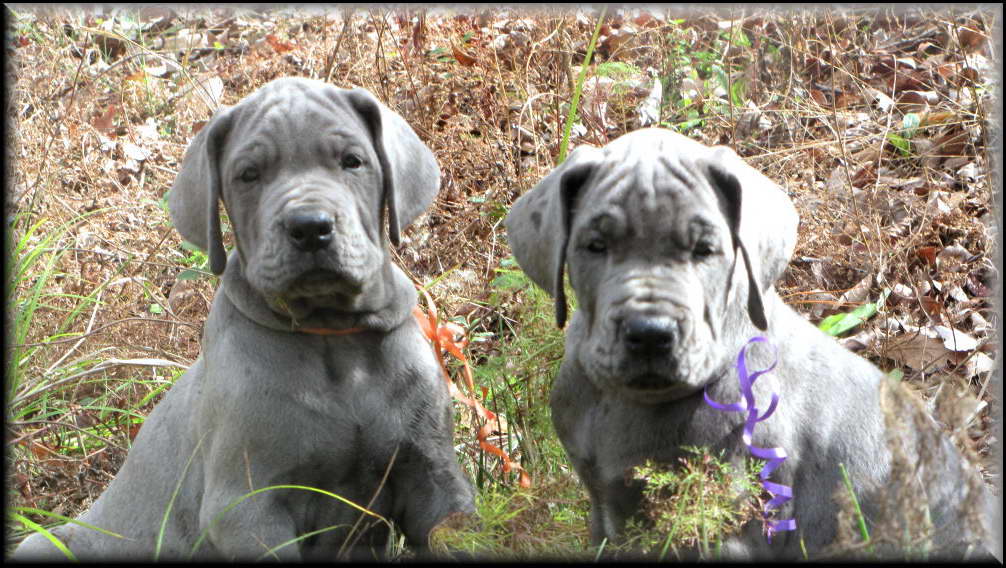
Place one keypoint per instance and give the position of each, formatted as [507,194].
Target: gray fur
[266,404]
[651,227]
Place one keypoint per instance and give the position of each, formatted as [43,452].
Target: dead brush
[903,527]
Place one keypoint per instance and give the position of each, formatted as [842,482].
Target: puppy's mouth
[650,382]
[319,282]
[656,388]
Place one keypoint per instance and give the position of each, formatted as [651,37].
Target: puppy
[673,249]
[313,371]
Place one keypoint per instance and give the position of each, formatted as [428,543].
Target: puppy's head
[669,245]
[307,173]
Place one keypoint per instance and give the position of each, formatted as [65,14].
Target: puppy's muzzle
[309,230]
[651,364]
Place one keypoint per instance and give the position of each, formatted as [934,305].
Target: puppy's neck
[384,308]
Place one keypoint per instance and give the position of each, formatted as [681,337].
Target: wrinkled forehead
[294,110]
[658,189]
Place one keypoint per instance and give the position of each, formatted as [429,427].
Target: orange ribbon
[444,336]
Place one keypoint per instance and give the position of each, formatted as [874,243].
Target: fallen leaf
[206,91]
[858,293]
[278,45]
[644,18]
[157,71]
[184,40]
[979,365]
[461,57]
[971,39]
[952,143]
[105,123]
[966,76]
[927,254]
[42,451]
[952,252]
[649,109]
[819,97]
[918,351]
[134,152]
[937,117]
[955,340]
[916,101]
[883,102]
[846,100]
[931,305]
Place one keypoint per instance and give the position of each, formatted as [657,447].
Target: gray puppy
[673,248]
[313,370]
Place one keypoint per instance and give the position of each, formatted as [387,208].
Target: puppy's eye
[351,161]
[704,249]
[597,246]
[249,174]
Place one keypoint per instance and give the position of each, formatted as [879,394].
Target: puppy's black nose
[649,335]
[309,230]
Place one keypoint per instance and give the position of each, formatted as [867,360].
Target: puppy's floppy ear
[539,223]
[194,199]
[762,221]
[409,170]
[729,194]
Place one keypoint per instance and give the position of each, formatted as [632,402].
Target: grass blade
[568,128]
[45,532]
[860,519]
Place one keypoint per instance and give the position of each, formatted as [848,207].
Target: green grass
[520,377]
[549,521]
[42,392]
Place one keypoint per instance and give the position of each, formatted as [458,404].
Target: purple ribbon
[775,456]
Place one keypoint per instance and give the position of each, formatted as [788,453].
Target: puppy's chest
[373,394]
[620,437]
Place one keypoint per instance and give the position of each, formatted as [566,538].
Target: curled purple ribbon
[775,456]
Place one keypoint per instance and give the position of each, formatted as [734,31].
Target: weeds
[692,505]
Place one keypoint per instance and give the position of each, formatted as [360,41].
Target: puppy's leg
[249,530]
[429,489]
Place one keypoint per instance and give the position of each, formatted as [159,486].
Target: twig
[102,366]
[347,16]
[50,424]
[52,138]
[82,337]
[102,328]
[405,61]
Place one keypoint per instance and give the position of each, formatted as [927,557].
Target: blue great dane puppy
[673,249]
[313,371]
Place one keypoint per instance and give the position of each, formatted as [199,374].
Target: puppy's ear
[409,170]
[729,193]
[194,198]
[539,223]
[762,221]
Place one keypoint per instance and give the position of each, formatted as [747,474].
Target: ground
[877,123]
